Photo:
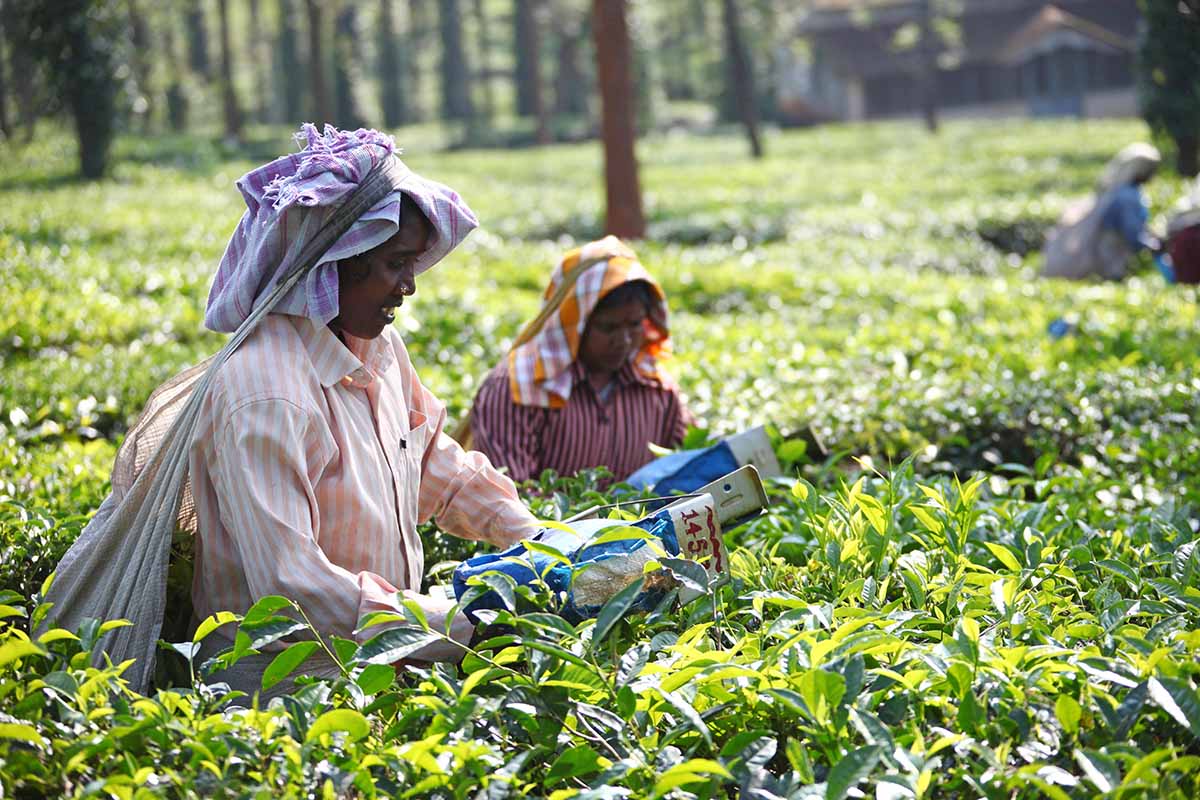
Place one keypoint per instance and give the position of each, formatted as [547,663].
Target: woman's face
[612,337]
[373,284]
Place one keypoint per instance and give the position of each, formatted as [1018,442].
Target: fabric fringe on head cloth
[338,197]
[302,189]
[1080,246]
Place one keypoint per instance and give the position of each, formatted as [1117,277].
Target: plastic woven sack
[599,570]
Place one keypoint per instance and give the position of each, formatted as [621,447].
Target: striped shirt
[313,463]
[614,432]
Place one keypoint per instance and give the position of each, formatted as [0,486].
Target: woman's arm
[469,497]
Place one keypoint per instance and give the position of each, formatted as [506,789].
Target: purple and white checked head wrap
[287,202]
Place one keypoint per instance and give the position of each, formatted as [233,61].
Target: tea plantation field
[980,578]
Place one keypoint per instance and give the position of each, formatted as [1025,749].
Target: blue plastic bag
[1167,270]
[524,566]
[685,471]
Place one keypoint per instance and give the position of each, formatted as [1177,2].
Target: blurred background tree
[393,93]
[348,69]
[231,107]
[740,76]
[455,71]
[5,120]
[614,56]
[526,67]
[508,73]
[1169,77]
[81,46]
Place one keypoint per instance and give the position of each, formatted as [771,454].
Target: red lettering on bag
[716,543]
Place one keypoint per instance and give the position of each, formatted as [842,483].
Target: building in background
[1000,58]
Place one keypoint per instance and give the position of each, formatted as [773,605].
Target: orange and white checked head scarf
[539,365]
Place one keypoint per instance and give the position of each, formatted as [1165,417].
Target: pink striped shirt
[312,464]
[588,432]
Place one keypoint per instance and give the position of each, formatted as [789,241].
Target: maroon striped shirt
[588,432]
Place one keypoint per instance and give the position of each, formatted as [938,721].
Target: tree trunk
[319,89]
[483,48]
[1187,158]
[570,86]
[707,70]
[197,40]
[24,70]
[529,62]
[259,59]
[231,110]
[927,80]
[291,70]
[141,60]
[391,82]
[610,32]
[177,101]
[456,74]
[91,91]
[688,79]
[5,124]
[742,77]
[525,52]
[647,73]
[419,33]
[346,75]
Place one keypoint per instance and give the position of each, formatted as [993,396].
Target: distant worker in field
[1100,236]
[584,384]
[1183,237]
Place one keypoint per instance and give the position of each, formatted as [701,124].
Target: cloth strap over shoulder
[117,569]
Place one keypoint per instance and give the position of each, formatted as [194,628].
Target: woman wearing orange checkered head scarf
[584,385]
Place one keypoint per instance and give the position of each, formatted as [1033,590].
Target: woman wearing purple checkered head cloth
[318,450]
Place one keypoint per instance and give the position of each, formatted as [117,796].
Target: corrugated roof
[825,15]
[862,42]
[1053,19]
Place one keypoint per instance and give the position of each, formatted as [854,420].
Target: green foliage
[932,638]
[1009,612]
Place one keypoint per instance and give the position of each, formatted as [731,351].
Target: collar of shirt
[355,363]
[625,376]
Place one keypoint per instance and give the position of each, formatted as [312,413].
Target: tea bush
[984,584]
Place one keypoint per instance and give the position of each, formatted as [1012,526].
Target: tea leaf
[286,662]
[852,768]
[1178,699]
[339,720]
[614,609]
[395,644]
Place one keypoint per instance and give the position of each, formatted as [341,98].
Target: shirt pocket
[420,432]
